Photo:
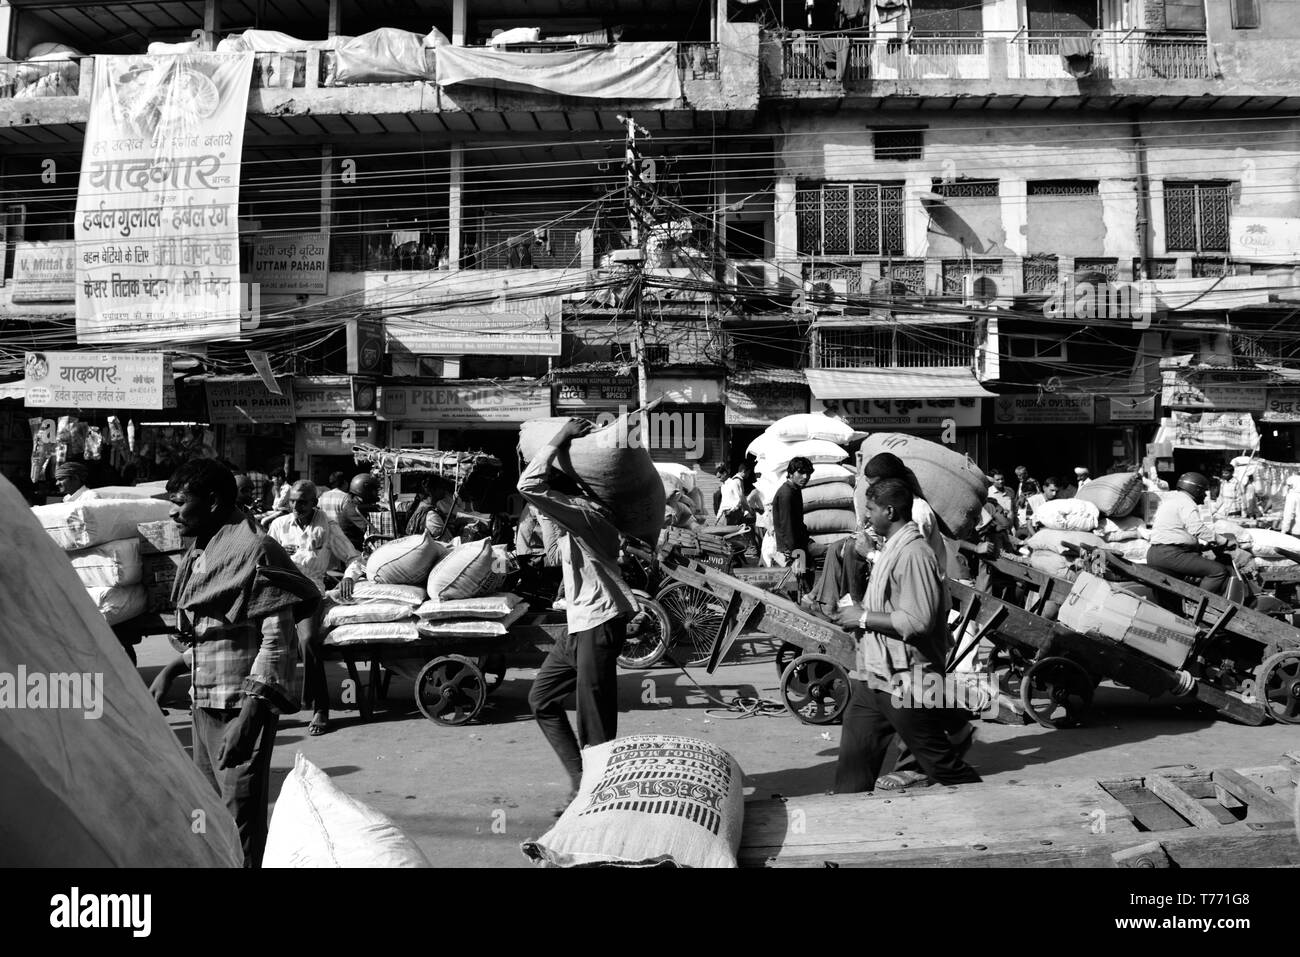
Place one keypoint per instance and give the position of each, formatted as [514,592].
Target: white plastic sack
[1266,543]
[473,627]
[774,455]
[119,604]
[468,572]
[814,425]
[826,472]
[317,825]
[108,565]
[374,632]
[1125,529]
[487,606]
[89,522]
[82,790]
[516,35]
[1050,540]
[163,49]
[648,800]
[365,611]
[1067,515]
[676,477]
[373,591]
[145,490]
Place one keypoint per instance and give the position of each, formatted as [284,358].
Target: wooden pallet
[1183,817]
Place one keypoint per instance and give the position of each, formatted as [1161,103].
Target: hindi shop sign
[873,415]
[1046,409]
[45,272]
[296,263]
[1211,391]
[1283,406]
[468,401]
[332,396]
[99,380]
[157,226]
[1210,430]
[238,401]
[762,403]
[1264,238]
[336,436]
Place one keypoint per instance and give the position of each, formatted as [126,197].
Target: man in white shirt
[1291,507]
[313,541]
[999,493]
[732,498]
[1180,534]
[70,477]
[598,604]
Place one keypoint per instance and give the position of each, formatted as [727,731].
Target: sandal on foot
[899,780]
[319,726]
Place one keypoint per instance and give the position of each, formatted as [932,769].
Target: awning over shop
[13,390]
[925,382]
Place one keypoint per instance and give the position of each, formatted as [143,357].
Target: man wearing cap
[346,508]
[70,477]
[1180,535]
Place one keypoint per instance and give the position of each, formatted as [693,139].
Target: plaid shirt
[257,658]
[342,509]
[261,488]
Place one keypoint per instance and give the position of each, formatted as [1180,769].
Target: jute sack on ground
[1114,495]
[109,565]
[119,604]
[830,495]
[116,791]
[613,466]
[91,522]
[468,572]
[1067,515]
[317,825]
[405,561]
[649,799]
[953,485]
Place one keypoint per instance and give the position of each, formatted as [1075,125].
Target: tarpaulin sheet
[624,71]
[382,56]
[93,776]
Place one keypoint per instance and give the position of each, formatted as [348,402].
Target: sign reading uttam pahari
[157,225]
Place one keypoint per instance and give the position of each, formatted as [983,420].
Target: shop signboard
[45,272]
[1132,408]
[1211,391]
[331,395]
[99,380]
[1264,238]
[1283,406]
[295,263]
[336,436]
[1233,431]
[874,415]
[234,401]
[1045,409]
[596,392]
[466,401]
[762,403]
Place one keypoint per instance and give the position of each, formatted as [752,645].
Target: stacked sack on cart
[1270,549]
[101,537]
[684,501]
[828,497]
[1102,515]
[417,588]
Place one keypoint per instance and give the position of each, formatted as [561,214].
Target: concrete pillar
[454,193]
[6,29]
[335,17]
[211,23]
[326,189]
[787,223]
[1015,214]
[459,21]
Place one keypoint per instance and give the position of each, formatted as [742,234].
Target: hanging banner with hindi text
[158,205]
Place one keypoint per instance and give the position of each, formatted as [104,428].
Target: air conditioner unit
[827,292]
[987,291]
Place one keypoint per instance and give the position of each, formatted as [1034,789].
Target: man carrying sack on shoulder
[905,641]
[598,604]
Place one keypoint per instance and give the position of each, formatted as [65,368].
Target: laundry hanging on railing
[835,57]
[623,71]
[1078,55]
[890,19]
[852,12]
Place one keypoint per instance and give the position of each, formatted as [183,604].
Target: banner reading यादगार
[157,224]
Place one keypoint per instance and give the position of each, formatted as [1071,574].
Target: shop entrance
[321,467]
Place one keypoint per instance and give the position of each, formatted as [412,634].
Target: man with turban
[70,477]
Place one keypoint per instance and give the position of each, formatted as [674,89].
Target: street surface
[442,785]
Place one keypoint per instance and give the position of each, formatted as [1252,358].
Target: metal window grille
[954,271]
[1106,267]
[1041,273]
[1157,268]
[1196,216]
[910,272]
[897,347]
[851,273]
[1062,187]
[850,219]
[898,144]
[967,189]
[656,355]
[1212,268]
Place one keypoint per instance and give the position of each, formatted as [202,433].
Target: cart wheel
[696,618]
[1277,686]
[1057,692]
[649,644]
[787,653]
[494,670]
[450,690]
[815,689]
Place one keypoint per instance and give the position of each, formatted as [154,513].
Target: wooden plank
[1150,855]
[1182,802]
[1262,804]
[1148,810]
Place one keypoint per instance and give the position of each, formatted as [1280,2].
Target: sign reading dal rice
[158,204]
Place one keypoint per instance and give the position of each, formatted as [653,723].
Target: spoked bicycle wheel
[696,616]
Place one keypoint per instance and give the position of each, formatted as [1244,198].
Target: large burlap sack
[814,425]
[144,490]
[412,595]
[317,825]
[1053,563]
[112,790]
[953,485]
[375,632]
[108,565]
[827,520]
[1127,529]
[649,799]
[487,606]
[1067,515]
[678,515]
[830,495]
[774,455]
[468,572]
[90,522]
[1114,495]
[826,472]
[1135,550]
[1266,543]
[365,611]
[612,466]
[119,604]
[1050,540]
[405,561]
[676,478]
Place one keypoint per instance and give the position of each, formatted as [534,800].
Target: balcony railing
[1128,55]
[38,78]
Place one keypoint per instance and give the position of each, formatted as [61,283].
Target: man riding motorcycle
[1180,535]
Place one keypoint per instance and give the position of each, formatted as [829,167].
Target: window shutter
[1245,15]
[1185,16]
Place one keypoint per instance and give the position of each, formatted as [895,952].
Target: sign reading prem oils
[466,401]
